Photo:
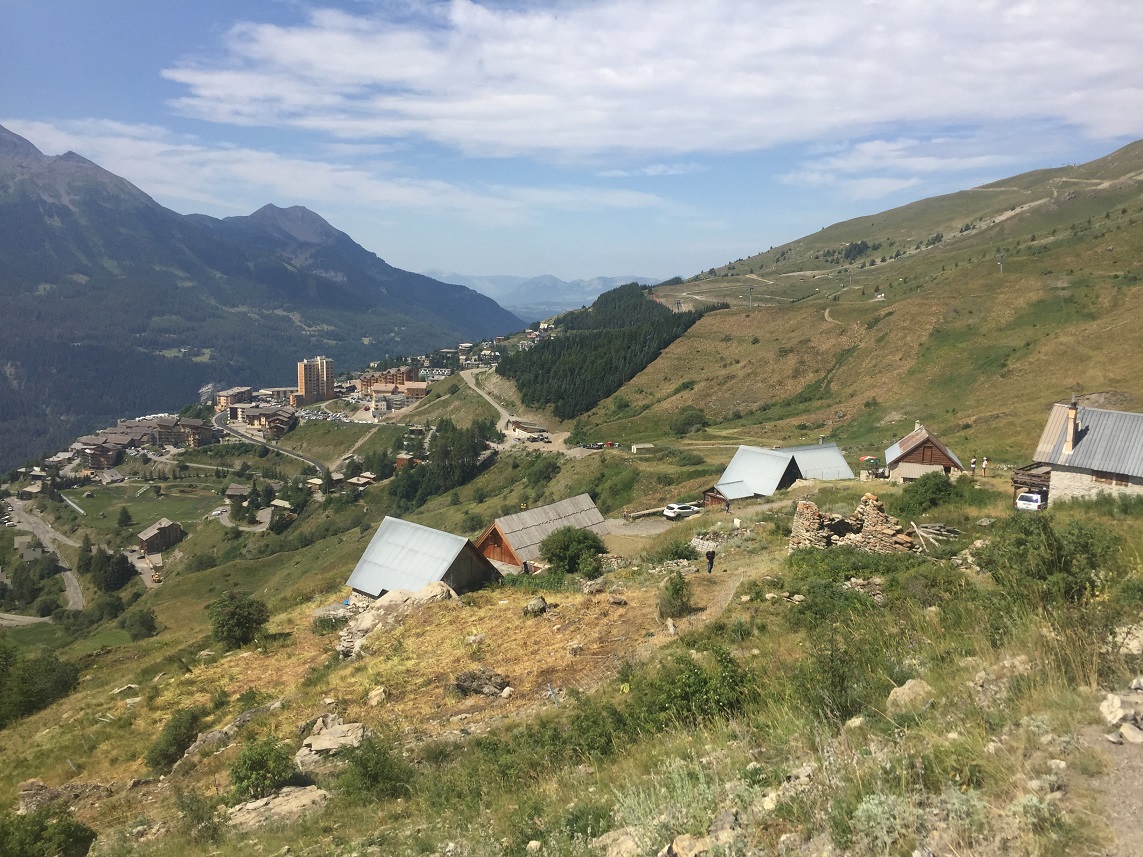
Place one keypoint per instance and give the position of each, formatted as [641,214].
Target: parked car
[1031,502]
[675,511]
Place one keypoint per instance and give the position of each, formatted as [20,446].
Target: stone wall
[1070,483]
[870,529]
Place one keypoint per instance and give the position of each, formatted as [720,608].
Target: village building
[404,555]
[758,472]
[232,396]
[918,453]
[236,493]
[515,539]
[1089,451]
[315,381]
[162,534]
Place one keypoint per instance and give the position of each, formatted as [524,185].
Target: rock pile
[870,529]
[1124,714]
[283,807]
[670,566]
[871,587]
[329,736]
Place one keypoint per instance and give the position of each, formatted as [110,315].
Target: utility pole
[1000,254]
[750,297]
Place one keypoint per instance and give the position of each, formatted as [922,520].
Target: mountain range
[536,298]
[115,305]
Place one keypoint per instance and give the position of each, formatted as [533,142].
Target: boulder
[435,591]
[1131,733]
[396,596]
[1112,710]
[283,807]
[913,695]
[481,680]
[536,607]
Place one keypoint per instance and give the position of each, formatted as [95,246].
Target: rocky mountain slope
[115,305]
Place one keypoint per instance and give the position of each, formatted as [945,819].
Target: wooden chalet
[918,453]
[515,539]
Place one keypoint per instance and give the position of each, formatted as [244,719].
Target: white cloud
[579,80]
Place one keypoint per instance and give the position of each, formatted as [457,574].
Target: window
[1101,477]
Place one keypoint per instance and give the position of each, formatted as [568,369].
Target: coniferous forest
[602,348]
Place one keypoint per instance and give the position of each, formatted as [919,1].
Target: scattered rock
[376,697]
[1131,733]
[435,591]
[534,846]
[536,607]
[507,692]
[912,695]
[125,687]
[593,587]
[284,807]
[475,640]
[1114,738]
[481,680]
[1112,710]
[855,722]
[617,600]
[1137,683]
[224,735]
[575,648]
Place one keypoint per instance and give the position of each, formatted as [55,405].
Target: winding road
[48,537]
[219,423]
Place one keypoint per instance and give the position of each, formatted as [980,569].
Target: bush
[47,832]
[140,624]
[563,548]
[29,684]
[589,566]
[1029,556]
[373,772]
[933,490]
[674,549]
[687,420]
[675,597]
[236,619]
[178,734]
[199,818]
[261,768]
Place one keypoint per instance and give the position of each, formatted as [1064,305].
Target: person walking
[972,466]
[984,466]
[710,561]
[728,506]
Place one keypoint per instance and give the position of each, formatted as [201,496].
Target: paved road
[49,537]
[249,438]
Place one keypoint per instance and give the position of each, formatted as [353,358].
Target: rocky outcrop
[538,606]
[870,529]
[913,695]
[329,737]
[35,794]
[481,680]
[366,616]
[224,735]
[283,807]
[1123,712]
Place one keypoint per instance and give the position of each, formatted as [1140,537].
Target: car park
[677,511]
[1031,502]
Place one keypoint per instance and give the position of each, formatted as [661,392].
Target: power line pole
[750,297]
[1000,254]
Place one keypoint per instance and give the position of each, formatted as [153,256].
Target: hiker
[984,466]
[710,561]
[972,466]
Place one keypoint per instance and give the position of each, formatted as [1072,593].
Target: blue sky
[608,138]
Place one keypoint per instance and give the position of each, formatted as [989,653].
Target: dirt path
[353,449]
[559,438]
[28,520]
[12,620]
[831,319]
[1120,790]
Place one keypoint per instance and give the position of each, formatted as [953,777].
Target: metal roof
[404,555]
[911,441]
[525,530]
[755,471]
[1107,441]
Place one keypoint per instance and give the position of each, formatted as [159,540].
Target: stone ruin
[870,529]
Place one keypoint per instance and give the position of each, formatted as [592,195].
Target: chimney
[821,440]
[1070,428]
[917,425]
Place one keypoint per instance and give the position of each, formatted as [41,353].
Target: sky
[583,138]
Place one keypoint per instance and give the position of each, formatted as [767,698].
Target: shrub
[675,597]
[563,548]
[1029,556]
[589,566]
[261,768]
[236,619]
[178,734]
[885,824]
[140,624]
[47,832]
[687,420]
[325,625]
[374,772]
[199,818]
[674,549]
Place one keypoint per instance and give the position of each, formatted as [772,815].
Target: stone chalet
[1091,451]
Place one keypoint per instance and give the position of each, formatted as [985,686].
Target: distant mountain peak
[16,147]
[296,221]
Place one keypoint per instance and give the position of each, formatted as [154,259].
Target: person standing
[728,506]
[984,466]
[710,561]
[972,466]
